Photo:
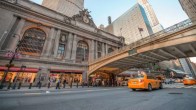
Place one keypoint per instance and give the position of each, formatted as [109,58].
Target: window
[99,49]
[61,51]
[62,45]
[32,42]
[150,77]
[82,52]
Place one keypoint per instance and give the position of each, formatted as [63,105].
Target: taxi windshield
[135,76]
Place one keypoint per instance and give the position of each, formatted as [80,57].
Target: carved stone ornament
[84,16]
[63,38]
[67,19]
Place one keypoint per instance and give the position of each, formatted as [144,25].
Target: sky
[169,12]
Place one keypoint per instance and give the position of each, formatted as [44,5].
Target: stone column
[69,46]
[56,44]
[96,55]
[42,75]
[92,50]
[106,48]
[14,40]
[103,50]
[74,48]
[8,32]
[49,45]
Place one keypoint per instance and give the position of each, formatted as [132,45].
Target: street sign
[133,51]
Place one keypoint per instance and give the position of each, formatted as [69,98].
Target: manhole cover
[175,93]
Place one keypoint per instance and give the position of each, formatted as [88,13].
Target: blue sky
[169,12]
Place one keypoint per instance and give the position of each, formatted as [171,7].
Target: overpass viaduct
[178,41]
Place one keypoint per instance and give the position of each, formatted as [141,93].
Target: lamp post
[10,62]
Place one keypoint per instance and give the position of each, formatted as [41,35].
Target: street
[120,98]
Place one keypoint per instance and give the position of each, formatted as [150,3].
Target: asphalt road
[102,99]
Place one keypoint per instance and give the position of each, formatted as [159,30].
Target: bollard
[9,86]
[30,85]
[19,85]
[14,86]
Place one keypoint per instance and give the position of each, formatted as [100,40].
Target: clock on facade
[86,19]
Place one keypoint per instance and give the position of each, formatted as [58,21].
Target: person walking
[58,84]
[77,81]
[39,84]
[64,83]
[71,81]
[49,82]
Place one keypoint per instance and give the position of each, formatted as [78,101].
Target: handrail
[182,25]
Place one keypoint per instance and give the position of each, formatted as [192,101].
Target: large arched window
[32,42]
[82,52]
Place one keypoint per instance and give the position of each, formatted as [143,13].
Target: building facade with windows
[154,22]
[50,44]
[189,6]
[133,25]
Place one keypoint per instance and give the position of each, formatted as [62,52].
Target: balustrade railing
[160,34]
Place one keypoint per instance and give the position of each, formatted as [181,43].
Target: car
[189,81]
[146,81]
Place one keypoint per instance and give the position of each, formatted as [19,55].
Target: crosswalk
[179,85]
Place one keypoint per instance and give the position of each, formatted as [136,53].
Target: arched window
[110,50]
[32,42]
[82,52]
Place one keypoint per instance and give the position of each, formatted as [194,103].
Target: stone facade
[51,41]
[66,7]
[189,6]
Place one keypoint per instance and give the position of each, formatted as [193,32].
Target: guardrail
[182,25]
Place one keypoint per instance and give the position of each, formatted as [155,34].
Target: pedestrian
[39,84]
[20,84]
[49,81]
[77,81]
[71,81]
[58,84]
[64,83]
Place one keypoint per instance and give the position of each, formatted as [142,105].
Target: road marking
[33,93]
[81,91]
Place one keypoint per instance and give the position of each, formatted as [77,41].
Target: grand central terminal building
[53,40]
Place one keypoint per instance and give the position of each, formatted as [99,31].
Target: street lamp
[10,62]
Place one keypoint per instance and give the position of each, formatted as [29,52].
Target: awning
[66,71]
[18,69]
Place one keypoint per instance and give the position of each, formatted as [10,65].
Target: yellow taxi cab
[143,80]
[189,80]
